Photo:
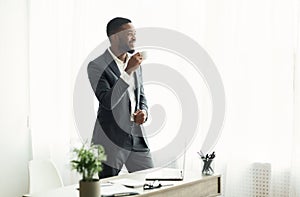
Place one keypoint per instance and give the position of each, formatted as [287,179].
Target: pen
[125,194]
[201,155]
[121,194]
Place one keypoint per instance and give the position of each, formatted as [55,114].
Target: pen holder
[207,168]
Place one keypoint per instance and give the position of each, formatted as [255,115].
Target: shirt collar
[116,58]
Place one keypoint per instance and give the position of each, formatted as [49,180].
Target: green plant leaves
[88,160]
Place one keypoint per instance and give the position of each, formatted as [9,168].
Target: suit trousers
[133,153]
[133,160]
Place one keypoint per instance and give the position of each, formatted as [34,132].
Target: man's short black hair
[113,26]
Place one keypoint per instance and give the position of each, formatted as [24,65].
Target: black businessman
[116,78]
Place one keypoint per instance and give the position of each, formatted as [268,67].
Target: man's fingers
[139,55]
[133,63]
[140,119]
[139,116]
[137,112]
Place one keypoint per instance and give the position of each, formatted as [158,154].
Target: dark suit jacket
[113,119]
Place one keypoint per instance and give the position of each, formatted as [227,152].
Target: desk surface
[193,185]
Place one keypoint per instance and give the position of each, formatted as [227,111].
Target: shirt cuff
[125,77]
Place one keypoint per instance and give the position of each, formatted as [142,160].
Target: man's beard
[131,51]
[127,48]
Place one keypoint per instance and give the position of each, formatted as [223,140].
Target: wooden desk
[193,185]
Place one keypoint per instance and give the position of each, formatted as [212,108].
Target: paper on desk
[117,190]
[128,182]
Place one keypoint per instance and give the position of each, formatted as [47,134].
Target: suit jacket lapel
[136,90]
[111,63]
[114,67]
[136,82]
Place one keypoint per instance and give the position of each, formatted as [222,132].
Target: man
[116,78]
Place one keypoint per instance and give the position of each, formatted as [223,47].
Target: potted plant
[88,162]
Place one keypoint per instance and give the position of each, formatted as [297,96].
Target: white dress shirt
[129,79]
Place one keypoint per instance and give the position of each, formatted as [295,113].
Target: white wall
[14,141]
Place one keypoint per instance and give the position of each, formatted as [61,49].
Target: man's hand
[140,116]
[133,63]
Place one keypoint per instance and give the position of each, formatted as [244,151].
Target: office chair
[43,176]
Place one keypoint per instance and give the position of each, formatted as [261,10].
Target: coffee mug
[144,54]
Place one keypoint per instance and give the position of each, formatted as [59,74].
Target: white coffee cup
[144,54]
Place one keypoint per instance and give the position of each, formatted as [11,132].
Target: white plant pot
[89,188]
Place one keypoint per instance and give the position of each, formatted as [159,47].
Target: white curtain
[295,170]
[53,53]
[252,44]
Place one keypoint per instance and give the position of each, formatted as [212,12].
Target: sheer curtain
[252,44]
[51,76]
[258,69]
[295,170]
